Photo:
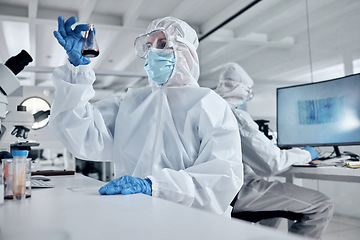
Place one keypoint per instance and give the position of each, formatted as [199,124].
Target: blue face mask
[159,67]
[241,106]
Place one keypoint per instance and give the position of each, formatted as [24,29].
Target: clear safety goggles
[229,85]
[156,40]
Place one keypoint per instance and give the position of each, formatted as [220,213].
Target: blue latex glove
[72,40]
[314,154]
[127,185]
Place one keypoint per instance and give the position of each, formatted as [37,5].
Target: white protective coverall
[261,159]
[182,137]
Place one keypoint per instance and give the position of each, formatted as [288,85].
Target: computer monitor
[324,113]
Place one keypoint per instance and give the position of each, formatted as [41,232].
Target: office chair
[262,215]
[256,216]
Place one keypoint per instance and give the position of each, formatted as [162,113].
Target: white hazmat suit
[182,137]
[262,158]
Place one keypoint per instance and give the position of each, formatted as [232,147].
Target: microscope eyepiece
[17,63]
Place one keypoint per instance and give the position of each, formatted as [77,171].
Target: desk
[74,210]
[331,173]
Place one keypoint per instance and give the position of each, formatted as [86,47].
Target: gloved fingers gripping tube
[68,23]
[149,187]
[72,40]
[61,27]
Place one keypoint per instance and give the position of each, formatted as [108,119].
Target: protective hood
[235,85]
[184,42]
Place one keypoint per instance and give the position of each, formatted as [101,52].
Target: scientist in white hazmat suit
[173,139]
[262,159]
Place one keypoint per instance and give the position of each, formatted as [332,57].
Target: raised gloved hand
[127,185]
[72,40]
[314,154]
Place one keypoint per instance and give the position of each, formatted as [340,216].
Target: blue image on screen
[320,111]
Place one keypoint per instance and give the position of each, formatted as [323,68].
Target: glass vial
[90,47]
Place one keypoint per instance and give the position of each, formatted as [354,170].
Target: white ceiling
[271,40]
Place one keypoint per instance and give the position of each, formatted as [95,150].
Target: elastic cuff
[148,180]
[154,186]
[77,69]
[149,191]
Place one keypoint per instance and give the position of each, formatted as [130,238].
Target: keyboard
[40,184]
[334,161]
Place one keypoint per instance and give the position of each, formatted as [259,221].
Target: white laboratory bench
[331,173]
[75,210]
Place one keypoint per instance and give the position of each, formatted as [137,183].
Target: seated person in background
[261,158]
[166,140]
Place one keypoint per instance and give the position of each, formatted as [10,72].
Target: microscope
[18,122]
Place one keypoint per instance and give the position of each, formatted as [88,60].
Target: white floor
[340,228]
[343,228]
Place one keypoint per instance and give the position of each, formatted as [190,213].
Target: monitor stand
[337,154]
[337,151]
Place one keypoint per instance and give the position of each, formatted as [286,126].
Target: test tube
[19,174]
